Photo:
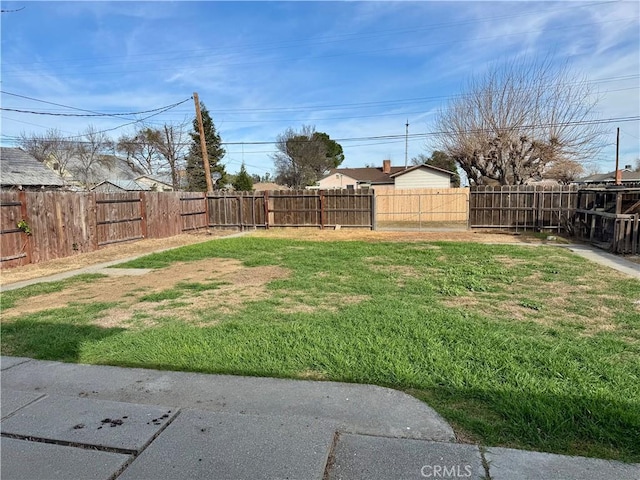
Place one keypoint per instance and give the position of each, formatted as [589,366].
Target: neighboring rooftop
[628,175]
[20,169]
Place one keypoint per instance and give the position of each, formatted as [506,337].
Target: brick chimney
[386,166]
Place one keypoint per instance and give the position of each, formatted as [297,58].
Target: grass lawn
[528,347]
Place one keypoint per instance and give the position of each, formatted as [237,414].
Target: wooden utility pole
[203,145]
[618,172]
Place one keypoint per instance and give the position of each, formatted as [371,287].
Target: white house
[386,177]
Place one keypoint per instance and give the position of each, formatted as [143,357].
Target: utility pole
[203,145]
[618,172]
[406,145]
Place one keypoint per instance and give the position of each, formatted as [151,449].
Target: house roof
[17,167]
[627,176]
[373,175]
[128,185]
[110,168]
[416,167]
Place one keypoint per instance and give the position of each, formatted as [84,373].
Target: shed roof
[18,167]
[128,185]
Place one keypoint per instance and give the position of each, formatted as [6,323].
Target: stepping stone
[23,460]
[360,457]
[204,445]
[121,426]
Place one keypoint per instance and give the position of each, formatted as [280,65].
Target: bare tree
[172,146]
[564,171]
[141,149]
[50,148]
[93,148]
[515,120]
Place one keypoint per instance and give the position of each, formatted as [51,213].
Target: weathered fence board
[521,207]
[14,244]
[291,208]
[119,217]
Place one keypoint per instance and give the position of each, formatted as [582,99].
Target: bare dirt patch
[237,284]
[106,254]
[381,236]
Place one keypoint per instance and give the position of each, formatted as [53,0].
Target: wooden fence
[421,207]
[64,223]
[61,224]
[522,207]
[292,208]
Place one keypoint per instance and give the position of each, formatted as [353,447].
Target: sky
[357,71]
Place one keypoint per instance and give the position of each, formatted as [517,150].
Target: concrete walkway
[71,421]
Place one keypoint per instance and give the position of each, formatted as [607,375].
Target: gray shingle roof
[627,176]
[17,167]
[375,175]
[128,185]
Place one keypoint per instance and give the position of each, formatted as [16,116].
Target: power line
[92,114]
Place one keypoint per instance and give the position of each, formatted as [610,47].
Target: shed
[22,171]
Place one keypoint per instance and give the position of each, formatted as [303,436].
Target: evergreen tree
[243,181]
[196,181]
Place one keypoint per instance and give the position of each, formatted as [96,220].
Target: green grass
[529,347]
[11,298]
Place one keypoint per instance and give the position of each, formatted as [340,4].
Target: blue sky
[355,70]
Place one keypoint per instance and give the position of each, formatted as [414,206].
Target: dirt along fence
[422,208]
[40,226]
[522,207]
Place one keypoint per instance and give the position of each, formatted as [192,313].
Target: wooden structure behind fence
[65,223]
[609,217]
[522,207]
[413,208]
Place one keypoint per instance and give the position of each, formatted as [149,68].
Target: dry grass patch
[239,284]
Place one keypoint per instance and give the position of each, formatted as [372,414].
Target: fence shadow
[50,340]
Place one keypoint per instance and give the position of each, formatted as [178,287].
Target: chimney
[386,166]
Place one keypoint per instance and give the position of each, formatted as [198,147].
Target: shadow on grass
[591,426]
[50,340]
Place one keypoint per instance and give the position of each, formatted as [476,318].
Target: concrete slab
[24,460]
[607,259]
[510,464]
[122,426]
[204,445]
[364,409]
[358,457]
[8,362]
[13,400]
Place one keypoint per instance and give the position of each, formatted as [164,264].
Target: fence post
[321,209]
[372,204]
[22,197]
[206,210]
[266,209]
[143,214]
